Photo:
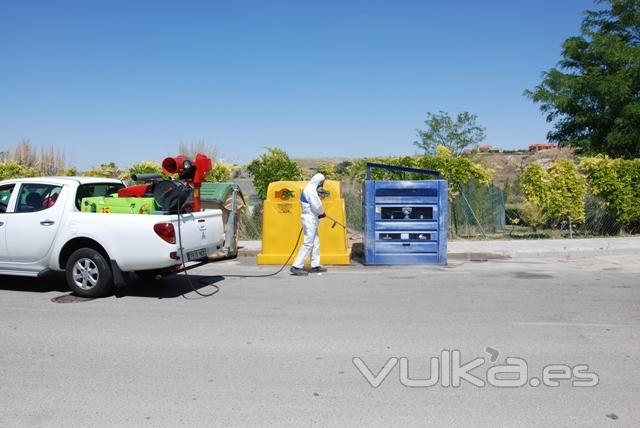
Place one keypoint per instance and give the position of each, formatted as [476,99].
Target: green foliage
[70,172]
[274,165]
[107,170]
[617,182]
[353,210]
[250,226]
[15,170]
[144,167]
[220,172]
[553,196]
[593,96]
[456,170]
[342,169]
[514,214]
[442,130]
[328,170]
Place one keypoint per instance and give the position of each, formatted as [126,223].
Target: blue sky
[126,81]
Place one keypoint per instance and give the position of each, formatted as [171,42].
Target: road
[279,351]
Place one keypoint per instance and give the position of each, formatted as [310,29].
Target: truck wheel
[88,273]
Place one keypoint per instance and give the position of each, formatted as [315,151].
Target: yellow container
[281,225]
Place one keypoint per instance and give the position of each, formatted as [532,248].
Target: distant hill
[505,166]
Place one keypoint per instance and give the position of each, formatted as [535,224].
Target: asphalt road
[280,351]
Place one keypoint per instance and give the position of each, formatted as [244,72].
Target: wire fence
[478,212]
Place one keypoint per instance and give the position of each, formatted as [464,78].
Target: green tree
[275,165]
[442,130]
[617,182]
[108,170]
[220,172]
[458,171]
[70,172]
[144,167]
[342,169]
[328,170]
[15,170]
[593,95]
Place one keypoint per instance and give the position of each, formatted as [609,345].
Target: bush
[108,170]
[617,182]
[353,208]
[555,196]
[599,220]
[458,171]
[220,172]
[15,170]
[144,167]
[272,166]
[515,214]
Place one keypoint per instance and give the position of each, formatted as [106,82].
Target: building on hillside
[487,148]
[542,146]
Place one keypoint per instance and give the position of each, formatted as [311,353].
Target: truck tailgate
[200,234]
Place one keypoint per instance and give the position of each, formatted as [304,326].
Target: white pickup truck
[43,229]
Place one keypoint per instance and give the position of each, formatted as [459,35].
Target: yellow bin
[281,225]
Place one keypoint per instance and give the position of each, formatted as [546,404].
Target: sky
[126,81]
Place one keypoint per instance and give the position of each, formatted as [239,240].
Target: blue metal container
[405,222]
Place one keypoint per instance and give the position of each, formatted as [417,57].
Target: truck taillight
[166,231]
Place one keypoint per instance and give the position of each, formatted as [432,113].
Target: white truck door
[5,197]
[32,226]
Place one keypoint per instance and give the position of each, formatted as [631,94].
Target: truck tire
[88,273]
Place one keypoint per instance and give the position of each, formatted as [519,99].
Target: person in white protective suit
[312,212]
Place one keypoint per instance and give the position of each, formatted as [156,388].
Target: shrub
[617,182]
[274,165]
[13,169]
[555,196]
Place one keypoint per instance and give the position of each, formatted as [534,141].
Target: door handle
[47,222]
[1,223]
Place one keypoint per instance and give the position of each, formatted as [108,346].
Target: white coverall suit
[311,209]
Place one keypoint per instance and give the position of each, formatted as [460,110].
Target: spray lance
[335,222]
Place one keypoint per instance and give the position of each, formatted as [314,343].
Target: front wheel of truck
[88,273]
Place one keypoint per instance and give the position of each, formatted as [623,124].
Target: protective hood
[316,179]
[311,203]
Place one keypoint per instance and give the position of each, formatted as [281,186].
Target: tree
[13,169]
[617,183]
[220,172]
[144,167]
[442,130]
[275,165]
[108,170]
[458,171]
[593,95]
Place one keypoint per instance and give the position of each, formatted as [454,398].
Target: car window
[5,195]
[37,197]
[96,189]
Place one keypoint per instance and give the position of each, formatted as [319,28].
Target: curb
[507,254]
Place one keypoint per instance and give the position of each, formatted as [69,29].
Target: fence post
[570,229]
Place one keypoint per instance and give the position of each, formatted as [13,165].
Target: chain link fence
[478,212]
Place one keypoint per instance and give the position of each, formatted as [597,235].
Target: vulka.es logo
[448,370]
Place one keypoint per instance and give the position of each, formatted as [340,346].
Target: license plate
[197,254]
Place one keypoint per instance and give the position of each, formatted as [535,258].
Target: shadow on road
[52,282]
[169,287]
